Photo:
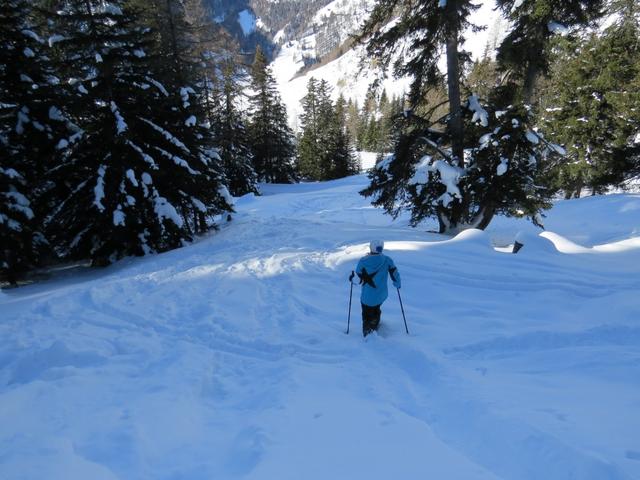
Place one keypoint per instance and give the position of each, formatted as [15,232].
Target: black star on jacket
[367,278]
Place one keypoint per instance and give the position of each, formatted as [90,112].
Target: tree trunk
[529,87]
[485,216]
[456,126]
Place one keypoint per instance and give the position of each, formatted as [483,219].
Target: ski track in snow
[227,359]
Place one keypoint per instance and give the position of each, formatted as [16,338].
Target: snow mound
[534,245]
[562,244]
[473,238]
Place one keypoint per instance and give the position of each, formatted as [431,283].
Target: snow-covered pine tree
[29,125]
[231,133]
[447,169]
[593,104]
[272,141]
[177,63]
[127,184]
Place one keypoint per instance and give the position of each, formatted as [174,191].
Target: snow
[502,167]
[98,190]
[53,39]
[167,135]
[112,10]
[29,53]
[145,156]
[10,173]
[20,203]
[228,359]
[532,137]
[479,113]
[367,160]
[56,114]
[164,209]
[158,85]
[342,74]
[119,217]
[131,176]
[191,121]
[146,179]
[557,28]
[247,21]
[32,35]
[279,37]
[449,176]
[121,125]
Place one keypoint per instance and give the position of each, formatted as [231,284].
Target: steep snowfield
[227,359]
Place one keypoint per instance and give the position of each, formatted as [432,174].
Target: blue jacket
[372,271]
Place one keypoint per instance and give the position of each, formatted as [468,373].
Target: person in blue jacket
[372,270]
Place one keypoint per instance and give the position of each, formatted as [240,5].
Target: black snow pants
[370,318]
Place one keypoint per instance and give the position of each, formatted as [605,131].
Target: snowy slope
[227,359]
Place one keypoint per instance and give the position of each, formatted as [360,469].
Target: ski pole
[349,318]
[402,308]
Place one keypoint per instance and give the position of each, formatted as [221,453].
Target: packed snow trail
[227,359]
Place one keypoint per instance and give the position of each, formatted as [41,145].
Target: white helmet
[376,246]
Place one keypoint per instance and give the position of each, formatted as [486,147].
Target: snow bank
[534,245]
[474,238]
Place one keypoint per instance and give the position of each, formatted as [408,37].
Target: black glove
[351,276]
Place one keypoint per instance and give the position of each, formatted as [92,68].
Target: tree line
[121,132]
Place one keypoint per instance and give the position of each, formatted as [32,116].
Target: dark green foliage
[504,160]
[140,176]
[438,167]
[271,138]
[524,52]
[345,162]
[376,125]
[425,26]
[232,137]
[325,146]
[593,105]
[29,126]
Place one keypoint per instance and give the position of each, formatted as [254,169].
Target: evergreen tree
[127,185]
[326,130]
[524,52]
[178,65]
[325,145]
[345,162]
[594,103]
[270,136]
[309,148]
[29,125]
[353,121]
[429,172]
[232,137]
